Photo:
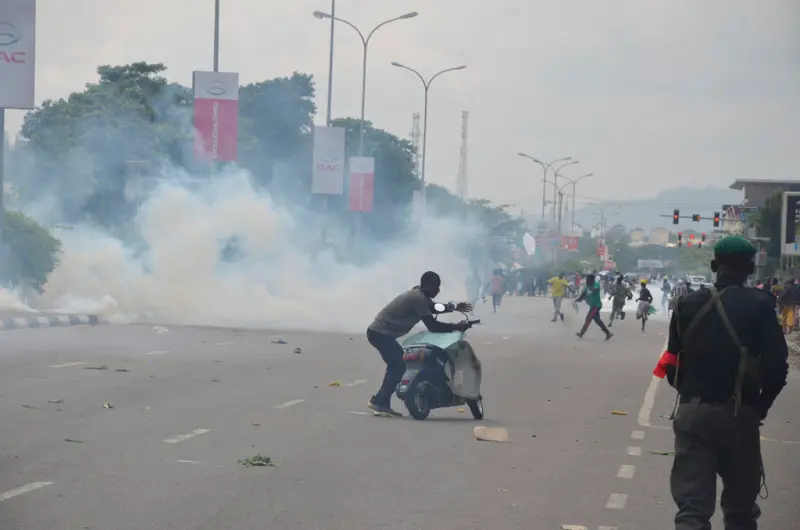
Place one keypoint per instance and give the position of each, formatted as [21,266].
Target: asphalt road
[191,402]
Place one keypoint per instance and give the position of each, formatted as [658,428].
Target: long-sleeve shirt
[709,358]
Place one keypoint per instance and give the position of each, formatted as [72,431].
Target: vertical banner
[17,53]
[362,183]
[790,224]
[327,177]
[216,116]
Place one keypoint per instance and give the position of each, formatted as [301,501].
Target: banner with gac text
[17,53]
[216,116]
[327,177]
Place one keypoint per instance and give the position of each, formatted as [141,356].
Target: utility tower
[461,182]
[415,143]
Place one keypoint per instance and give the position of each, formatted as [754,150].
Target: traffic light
[691,240]
[680,239]
[696,217]
[716,219]
[702,240]
[676,216]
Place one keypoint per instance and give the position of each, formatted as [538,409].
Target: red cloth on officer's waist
[667,359]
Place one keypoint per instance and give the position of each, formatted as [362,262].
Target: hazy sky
[647,94]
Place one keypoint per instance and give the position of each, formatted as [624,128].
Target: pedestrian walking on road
[591,293]
[498,285]
[727,357]
[558,287]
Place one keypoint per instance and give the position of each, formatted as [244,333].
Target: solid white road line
[228,343]
[10,494]
[634,451]
[288,404]
[356,382]
[65,365]
[617,501]
[626,471]
[182,437]
[637,435]
[157,352]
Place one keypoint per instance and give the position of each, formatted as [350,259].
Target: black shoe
[554,320]
[579,334]
[609,335]
[381,410]
[371,404]
[562,317]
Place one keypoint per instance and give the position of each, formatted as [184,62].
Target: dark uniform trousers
[709,441]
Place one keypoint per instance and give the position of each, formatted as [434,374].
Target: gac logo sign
[329,163]
[216,88]
[9,35]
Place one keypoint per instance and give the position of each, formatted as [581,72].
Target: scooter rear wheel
[476,407]
[417,401]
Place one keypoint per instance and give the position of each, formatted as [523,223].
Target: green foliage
[33,252]
[83,144]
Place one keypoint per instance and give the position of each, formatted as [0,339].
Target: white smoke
[174,274]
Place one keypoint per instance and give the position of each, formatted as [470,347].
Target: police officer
[727,358]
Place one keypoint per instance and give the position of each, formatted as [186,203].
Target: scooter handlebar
[473,322]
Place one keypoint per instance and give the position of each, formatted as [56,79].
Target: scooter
[442,370]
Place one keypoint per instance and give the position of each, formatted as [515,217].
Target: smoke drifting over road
[175,270]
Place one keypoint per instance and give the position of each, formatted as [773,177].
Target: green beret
[734,245]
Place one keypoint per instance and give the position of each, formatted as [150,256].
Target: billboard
[790,224]
[216,115]
[327,177]
[17,53]
[362,183]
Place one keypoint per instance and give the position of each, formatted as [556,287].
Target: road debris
[663,453]
[255,423]
[619,413]
[55,401]
[461,411]
[122,370]
[101,367]
[159,330]
[491,434]
[298,350]
[257,461]
[73,441]
[108,405]
[335,383]
[215,381]
[278,341]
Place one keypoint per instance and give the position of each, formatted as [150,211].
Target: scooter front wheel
[476,407]
[417,401]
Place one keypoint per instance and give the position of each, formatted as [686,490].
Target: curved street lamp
[574,182]
[365,41]
[545,167]
[426,85]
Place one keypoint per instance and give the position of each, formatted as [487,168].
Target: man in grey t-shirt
[397,319]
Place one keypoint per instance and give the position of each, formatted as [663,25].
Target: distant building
[637,236]
[757,191]
[659,236]
[616,232]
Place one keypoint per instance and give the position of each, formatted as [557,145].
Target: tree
[32,251]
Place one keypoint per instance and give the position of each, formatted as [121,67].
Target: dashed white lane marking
[65,365]
[650,398]
[10,494]
[573,527]
[156,352]
[186,461]
[228,343]
[634,451]
[626,471]
[607,528]
[182,437]
[357,382]
[360,413]
[637,435]
[617,501]
[288,404]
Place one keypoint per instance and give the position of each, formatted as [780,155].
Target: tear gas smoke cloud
[180,277]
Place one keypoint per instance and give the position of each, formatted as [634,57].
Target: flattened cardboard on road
[491,434]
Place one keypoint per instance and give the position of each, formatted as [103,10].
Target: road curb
[33,322]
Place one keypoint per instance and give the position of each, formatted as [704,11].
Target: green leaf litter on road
[257,461]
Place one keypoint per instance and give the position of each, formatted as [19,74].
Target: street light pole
[216,35]
[574,182]
[330,66]
[555,181]
[545,167]
[426,85]
[365,41]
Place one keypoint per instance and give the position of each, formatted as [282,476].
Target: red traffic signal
[680,239]
[676,216]
[716,219]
